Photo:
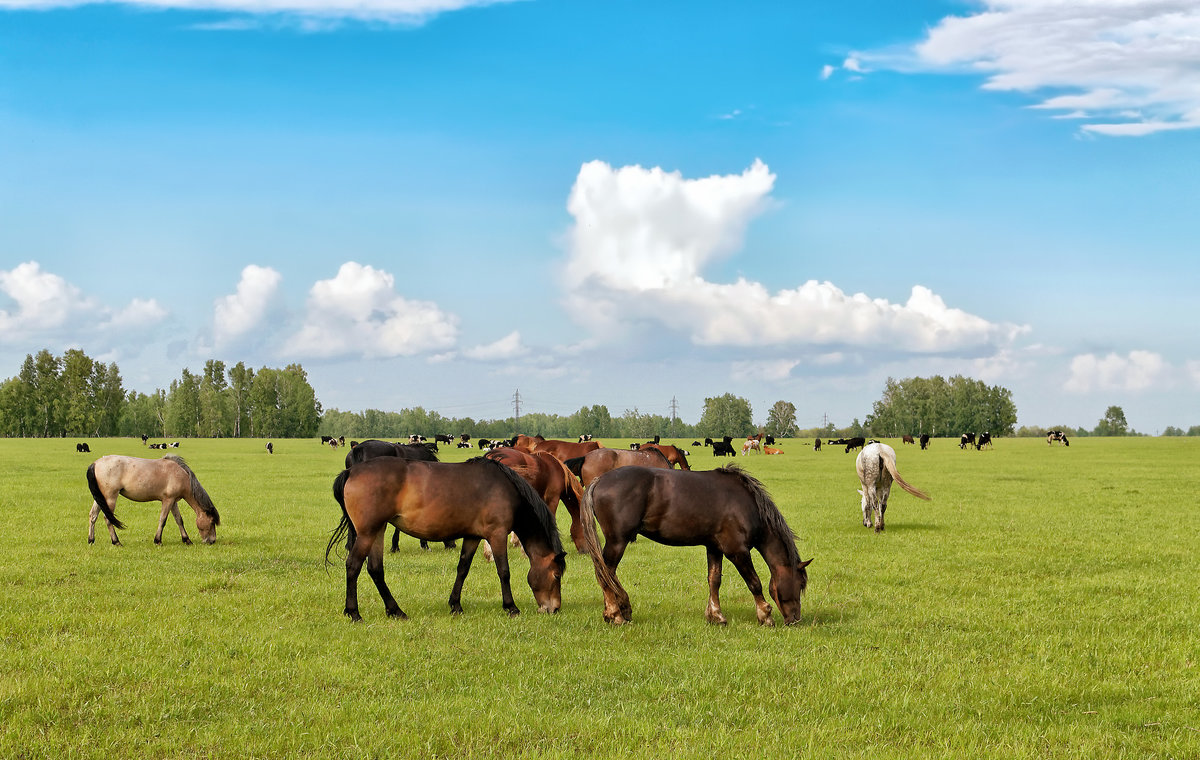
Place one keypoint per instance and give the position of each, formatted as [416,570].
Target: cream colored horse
[876,465]
[167,480]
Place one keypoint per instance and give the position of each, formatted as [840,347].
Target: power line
[517,410]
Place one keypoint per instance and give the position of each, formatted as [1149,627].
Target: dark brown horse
[600,461]
[724,510]
[167,480]
[550,478]
[675,455]
[369,449]
[474,500]
[564,450]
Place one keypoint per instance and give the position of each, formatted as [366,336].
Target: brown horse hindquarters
[601,461]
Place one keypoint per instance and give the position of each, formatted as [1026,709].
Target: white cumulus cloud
[46,305]
[1137,371]
[358,313]
[1127,66]
[508,347]
[642,239]
[236,314]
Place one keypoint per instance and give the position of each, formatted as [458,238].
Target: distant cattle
[414,438]
[966,439]
[907,439]
[463,445]
[697,443]
[769,440]
[270,448]
[850,443]
[985,439]
[83,448]
[173,445]
[771,450]
[924,441]
[439,438]
[326,439]
[635,446]
[1057,435]
[464,437]
[144,439]
[751,444]
[723,449]
[816,444]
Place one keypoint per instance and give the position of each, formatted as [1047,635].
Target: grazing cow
[723,448]
[708,442]
[270,448]
[83,448]
[853,443]
[751,444]
[439,438]
[697,443]
[144,437]
[817,444]
[1057,435]
[464,437]
[924,441]
[966,439]
[414,438]
[985,439]
[769,440]
[585,438]
[907,439]
[635,446]
[326,439]
[876,466]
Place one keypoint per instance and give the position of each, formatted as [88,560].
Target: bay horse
[600,461]
[550,478]
[675,455]
[876,467]
[564,450]
[167,480]
[726,510]
[474,500]
[372,447]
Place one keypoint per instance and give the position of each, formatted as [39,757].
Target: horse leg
[449,544]
[112,532]
[375,570]
[470,544]
[713,613]
[617,610]
[395,540]
[745,566]
[356,554]
[500,554]
[183,536]
[880,508]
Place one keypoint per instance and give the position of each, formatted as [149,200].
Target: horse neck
[775,551]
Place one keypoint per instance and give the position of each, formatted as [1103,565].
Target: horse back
[140,479]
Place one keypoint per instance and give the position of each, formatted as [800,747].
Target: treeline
[941,407]
[74,395]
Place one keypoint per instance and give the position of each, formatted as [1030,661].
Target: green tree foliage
[941,407]
[1113,423]
[1171,430]
[725,415]
[781,420]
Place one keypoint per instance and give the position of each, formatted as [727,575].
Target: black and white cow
[924,441]
[83,448]
[985,439]
[1057,435]
[966,439]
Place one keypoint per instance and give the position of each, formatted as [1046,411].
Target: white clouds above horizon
[412,12]
[358,313]
[48,306]
[237,314]
[643,237]
[508,347]
[1127,67]
[1136,371]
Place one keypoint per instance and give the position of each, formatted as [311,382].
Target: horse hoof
[512,611]
[353,615]
[187,541]
[158,542]
[91,541]
[398,614]
[768,623]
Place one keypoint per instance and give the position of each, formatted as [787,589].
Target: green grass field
[1044,605]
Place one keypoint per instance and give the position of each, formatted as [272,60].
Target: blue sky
[437,202]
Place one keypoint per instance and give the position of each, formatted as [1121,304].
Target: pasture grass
[1044,604]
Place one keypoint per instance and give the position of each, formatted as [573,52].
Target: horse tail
[203,500]
[591,542]
[574,465]
[98,495]
[533,501]
[345,527]
[574,492]
[768,512]
[889,461]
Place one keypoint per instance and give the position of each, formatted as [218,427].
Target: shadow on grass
[901,527]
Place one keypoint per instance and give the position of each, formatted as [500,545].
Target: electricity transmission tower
[516,399]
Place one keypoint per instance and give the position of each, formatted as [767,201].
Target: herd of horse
[516,489]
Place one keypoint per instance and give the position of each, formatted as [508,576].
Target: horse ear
[803,565]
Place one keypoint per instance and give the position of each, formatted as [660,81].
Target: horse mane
[204,501]
[767,511]
[543,519]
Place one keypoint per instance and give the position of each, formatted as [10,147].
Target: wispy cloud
[411,12]
[643,238]
[1128,67]
[1137,371]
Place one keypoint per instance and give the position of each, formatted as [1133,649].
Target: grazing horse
[724,510]
[167,480]
[675,455]
[876,466]
[371,448]
[550,478]
[600,461]
[474,500]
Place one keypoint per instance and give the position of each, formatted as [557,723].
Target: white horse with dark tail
[876,465]
[167,480]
